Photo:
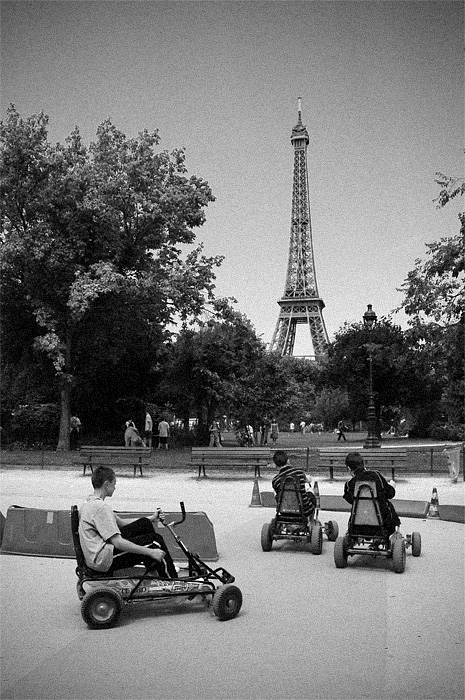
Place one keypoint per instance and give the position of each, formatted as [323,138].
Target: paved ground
[306,630]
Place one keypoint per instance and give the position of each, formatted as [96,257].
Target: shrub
[447,431]
[34,424]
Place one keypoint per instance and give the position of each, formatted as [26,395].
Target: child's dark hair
[100,475]
[280,458]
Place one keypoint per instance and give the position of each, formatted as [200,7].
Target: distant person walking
[274,430]
[215,439]
[340,431]
[266,423]
[163,434]
[302,427]
[291,427]
[75,432]
[148,428]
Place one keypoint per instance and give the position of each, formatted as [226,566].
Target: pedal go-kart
[291,523]
[367,535]
[104,598]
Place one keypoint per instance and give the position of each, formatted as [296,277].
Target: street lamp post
[372,440]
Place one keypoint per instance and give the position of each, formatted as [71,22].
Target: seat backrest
[75,533]
[370,492]
[289,497]
[365,509]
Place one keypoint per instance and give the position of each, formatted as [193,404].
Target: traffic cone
[433,510]
[256,501]
[316,492]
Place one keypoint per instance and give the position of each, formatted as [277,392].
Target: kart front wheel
[316,539]
[340,553]
[332,530]
[101,608]
[266,539]
[398,555]
[416,544]
[227,601]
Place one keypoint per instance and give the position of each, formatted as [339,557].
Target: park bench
[230,458]
[97,455]
[393,458]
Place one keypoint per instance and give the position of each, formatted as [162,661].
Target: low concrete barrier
[47,533]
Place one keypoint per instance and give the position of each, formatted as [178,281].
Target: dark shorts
[141,532]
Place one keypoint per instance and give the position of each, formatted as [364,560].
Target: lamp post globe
[369,317]
[372,440]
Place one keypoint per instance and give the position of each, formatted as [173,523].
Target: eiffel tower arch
[300,302]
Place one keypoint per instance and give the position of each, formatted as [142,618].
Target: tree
[222,367]
[331,406]
[84,227]
[208,364]
[347,367]
[435,289]
[435,303]
[450,188]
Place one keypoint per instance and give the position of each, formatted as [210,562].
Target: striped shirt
[288,470]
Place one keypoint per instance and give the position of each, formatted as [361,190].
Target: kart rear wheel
[340,553]
[227,601]
[398,555]
[416,544]
[332,530]
[316,538]
[266,539]
[101,608]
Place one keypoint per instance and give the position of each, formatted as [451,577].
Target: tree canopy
[93,230]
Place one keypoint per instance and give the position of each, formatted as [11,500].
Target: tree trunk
[66,381]
[65,395]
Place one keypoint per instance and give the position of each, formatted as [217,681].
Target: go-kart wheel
[398,555]
[227,601]
[416,544]
[266,538]
[340,553]
[316,538]
[101,608]
[332,530]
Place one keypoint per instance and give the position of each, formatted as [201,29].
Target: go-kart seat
[289,504]
[365,518]
[75,532]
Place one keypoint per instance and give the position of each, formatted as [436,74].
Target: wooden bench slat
[230,457]
[103,455]
[393,458]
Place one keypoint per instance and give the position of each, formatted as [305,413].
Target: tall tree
[435,304]
[347,366]
[84,226]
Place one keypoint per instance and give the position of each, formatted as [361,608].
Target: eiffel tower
[300,302]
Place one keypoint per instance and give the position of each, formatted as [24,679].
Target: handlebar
[177,522]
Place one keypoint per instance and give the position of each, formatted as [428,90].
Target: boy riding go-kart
[374,526]
[297,510]
[104,597]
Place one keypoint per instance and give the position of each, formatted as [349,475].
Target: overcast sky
[382,98]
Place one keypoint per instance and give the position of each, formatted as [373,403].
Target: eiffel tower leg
[283,337]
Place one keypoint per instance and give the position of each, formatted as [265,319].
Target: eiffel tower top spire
[299,132]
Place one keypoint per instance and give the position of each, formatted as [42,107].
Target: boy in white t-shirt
[110,543]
